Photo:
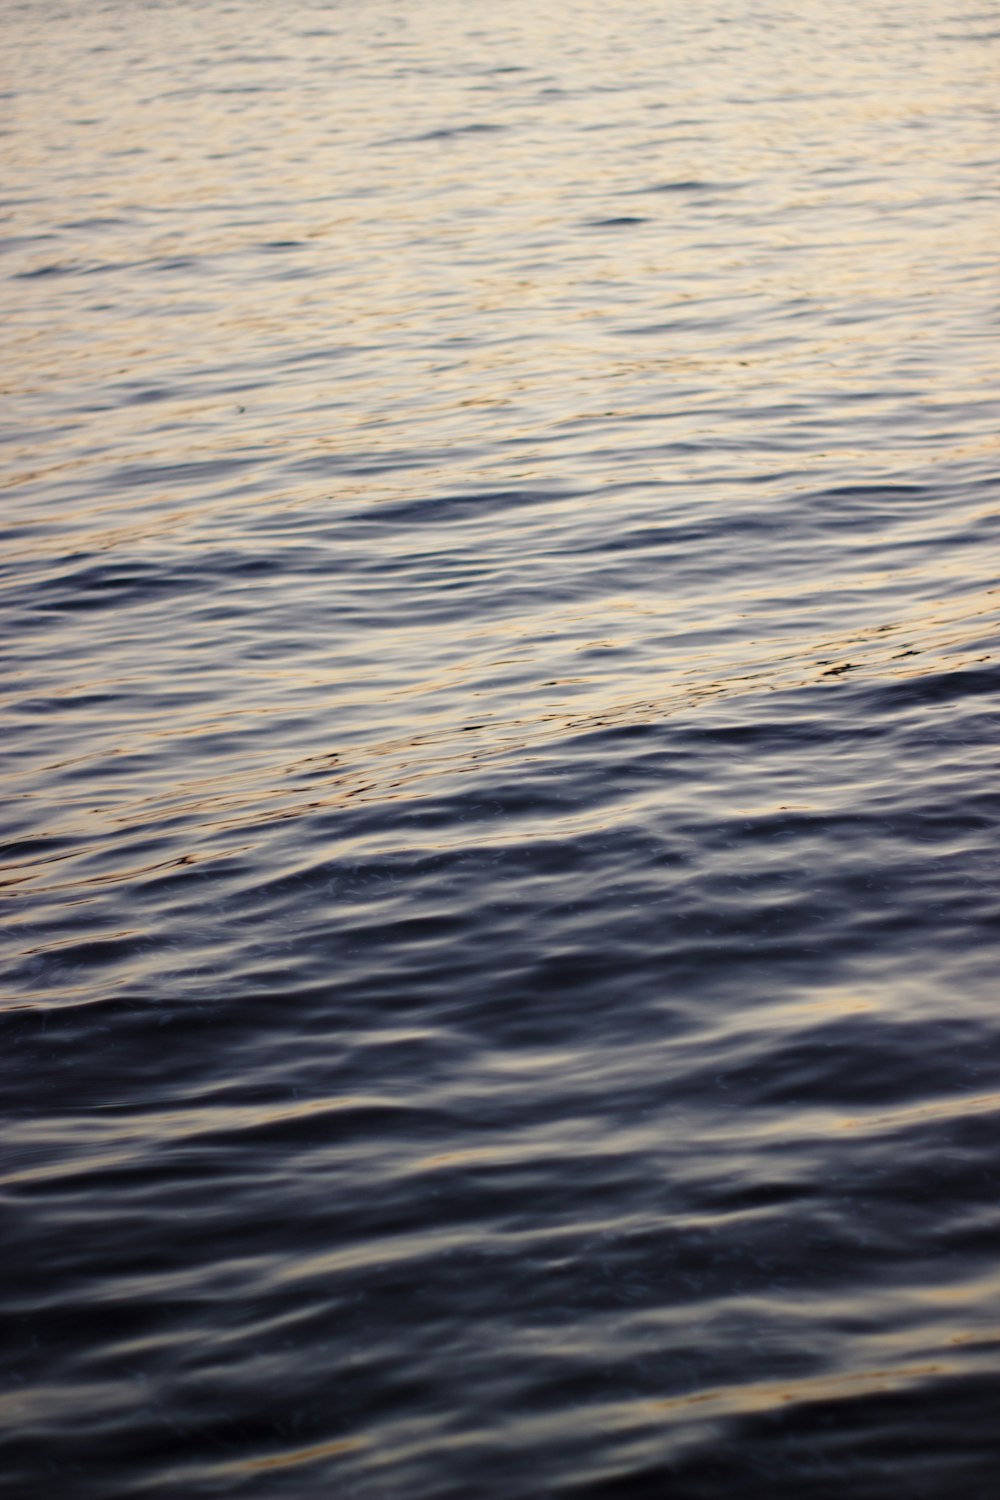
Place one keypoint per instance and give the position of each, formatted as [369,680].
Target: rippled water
[501,608]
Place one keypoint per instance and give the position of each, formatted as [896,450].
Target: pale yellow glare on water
[447,248]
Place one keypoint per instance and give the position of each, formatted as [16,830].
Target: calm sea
[501,641]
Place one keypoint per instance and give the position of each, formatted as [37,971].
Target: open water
[501,637]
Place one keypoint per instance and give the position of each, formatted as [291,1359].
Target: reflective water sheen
[500,600]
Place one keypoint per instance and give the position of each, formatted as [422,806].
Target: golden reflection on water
[296,1458]
[400,767]
[766,1396]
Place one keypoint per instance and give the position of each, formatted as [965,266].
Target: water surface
[500,631]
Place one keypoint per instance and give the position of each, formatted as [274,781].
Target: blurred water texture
[499,583]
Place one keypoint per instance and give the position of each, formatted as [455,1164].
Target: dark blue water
[501,635]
